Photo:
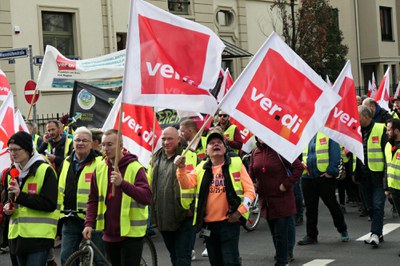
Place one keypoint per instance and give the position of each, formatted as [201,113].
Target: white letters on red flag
[343,124]
[171,62]
[4,86]
[382,96]
[137,129]
[6,129]
[280,99]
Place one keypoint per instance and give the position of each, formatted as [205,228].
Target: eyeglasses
[223,115]
[13,150]
[82,140]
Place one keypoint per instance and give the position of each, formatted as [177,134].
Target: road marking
[387,228]
[318,262]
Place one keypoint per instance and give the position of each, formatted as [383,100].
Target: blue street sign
[38,60]
[14,53]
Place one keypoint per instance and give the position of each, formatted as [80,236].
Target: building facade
[90,28]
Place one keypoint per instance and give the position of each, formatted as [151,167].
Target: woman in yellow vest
[224,192]
[32,203]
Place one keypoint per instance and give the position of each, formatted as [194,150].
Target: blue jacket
[334,159]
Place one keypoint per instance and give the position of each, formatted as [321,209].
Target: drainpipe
[110,32]
[360,79]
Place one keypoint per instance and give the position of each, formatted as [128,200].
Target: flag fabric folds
[280,99]
[171,62]
[7,129]
[382,96]
[343,124]
[4,86]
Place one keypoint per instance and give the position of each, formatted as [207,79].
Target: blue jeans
[374,196]
[71,237]
[179,243]
[280,236]
[223,243]
[38,258]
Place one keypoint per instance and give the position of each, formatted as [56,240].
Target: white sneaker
[204,253]
[193,254]
[373,240]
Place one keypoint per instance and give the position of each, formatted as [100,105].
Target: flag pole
[117,148]
[198,134]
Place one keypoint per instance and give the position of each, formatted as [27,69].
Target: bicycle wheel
[149,254]
[254,216]
[78,258]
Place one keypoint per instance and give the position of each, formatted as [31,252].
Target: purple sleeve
[91,206]
[296,169]
[140,190]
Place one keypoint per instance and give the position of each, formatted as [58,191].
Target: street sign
[14,53]
[38,60]
[29,91]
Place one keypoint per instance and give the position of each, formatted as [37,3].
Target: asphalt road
[257,249]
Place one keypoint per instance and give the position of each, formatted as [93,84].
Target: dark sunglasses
[223,115]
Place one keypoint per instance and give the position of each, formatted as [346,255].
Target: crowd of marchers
[67,186]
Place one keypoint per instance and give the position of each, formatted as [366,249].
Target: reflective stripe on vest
[234,167]
[187,195]
[66,148]
[83,186]
[230,132]
[393,167]
[28,223]
[322,153]
[133,219]
[374,149]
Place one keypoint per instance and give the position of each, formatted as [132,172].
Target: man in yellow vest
[172,207]
[33,130]
[32,202]
[370,174]
[118,202]
[396,108]
[74,186]
[322,158]
[224,192]
[55,146]
[392,154]
[379,115]
[188,129]
[231,132]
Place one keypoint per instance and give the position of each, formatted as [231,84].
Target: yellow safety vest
[201,151]
[393,167]
[29,223]
[376,160]
[394,114]
[186,195]
[66,150]
[322,153]
[35,141]
[83,186]
[230,132]
[133,219]
[234,168]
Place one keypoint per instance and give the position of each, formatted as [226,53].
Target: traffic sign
[29,91]
[14,53]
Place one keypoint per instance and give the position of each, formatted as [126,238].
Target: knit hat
[22,139]
[216,133]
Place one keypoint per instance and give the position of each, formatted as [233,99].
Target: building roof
[233,51]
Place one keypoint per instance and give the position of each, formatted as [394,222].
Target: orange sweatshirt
[217,204]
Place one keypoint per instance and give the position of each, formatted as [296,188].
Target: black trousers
[125,253]
[323,188]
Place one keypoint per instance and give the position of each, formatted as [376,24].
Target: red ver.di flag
[171,62]
[7,129]
[138,135]
[4,86]
[280,99]
[382,96]
[343,124]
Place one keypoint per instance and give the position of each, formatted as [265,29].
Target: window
[121,40]
[225,18]
[58,31]
[179,6]
[386,23]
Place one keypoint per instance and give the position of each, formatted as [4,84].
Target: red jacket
[269,172]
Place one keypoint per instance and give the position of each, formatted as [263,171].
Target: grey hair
[365,111]
[83,130]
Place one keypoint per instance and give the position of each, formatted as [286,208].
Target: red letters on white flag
[280,99]
[6,129]
[382,96]
[343,124]
[4,86]
[171,62]
[137,129]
